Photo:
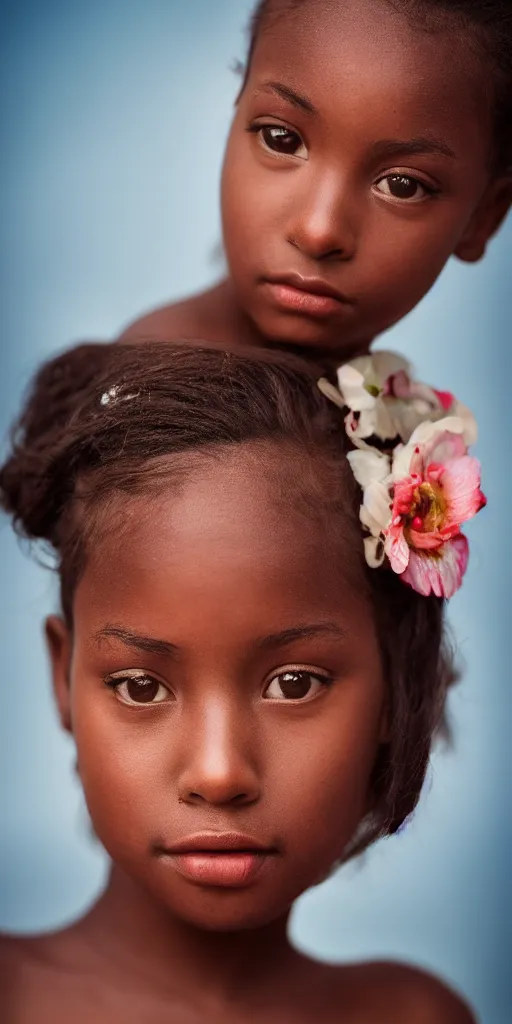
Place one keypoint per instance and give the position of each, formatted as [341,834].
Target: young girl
[372,140]
[252,700]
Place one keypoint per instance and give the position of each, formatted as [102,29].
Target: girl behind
[371,141]
[251,702]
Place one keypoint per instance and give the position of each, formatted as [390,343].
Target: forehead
[230,541]
[350,56]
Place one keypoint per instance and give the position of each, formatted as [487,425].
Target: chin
[221,911]
[302,332]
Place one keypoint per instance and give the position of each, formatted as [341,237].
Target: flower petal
[446,400]
[351,385]
[331,392]
[368,465]
[470,425]
[397,549]
[377,507]
[366,422]
[445,448]
[460,482]
[385,424]
[442,574]
[388,364]
[373,552]
[427,432]
[402,459]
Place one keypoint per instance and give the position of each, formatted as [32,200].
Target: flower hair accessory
[411,460]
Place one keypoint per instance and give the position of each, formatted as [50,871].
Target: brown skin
[224,748]
[313,193]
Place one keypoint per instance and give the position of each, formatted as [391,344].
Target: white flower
[384,401]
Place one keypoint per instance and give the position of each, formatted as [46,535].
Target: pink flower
[436,488]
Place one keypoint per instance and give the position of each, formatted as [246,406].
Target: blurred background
[114,116]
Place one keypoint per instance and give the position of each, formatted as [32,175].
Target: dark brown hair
[489,27]
[102,419]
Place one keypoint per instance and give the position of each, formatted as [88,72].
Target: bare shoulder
[377,992]
[417,996]
[42,978]
[18,957]
[178,321]
[19,953]
[33,955]
[14,949]
[158,325]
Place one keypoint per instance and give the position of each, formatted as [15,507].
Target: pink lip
[307,295]
[222,859]
[224,870]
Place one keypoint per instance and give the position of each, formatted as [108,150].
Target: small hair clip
[113,395]
[109,396]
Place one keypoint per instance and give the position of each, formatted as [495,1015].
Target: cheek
[401,265]
[251,198]
[323,779]
[121,768]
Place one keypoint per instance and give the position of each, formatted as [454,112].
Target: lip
[227,860]
[309,295]
[219,842]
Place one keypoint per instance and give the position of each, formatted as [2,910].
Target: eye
[295,684]
[281,140]
[403,187]
[138,688]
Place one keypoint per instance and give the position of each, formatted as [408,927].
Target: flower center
[428,509]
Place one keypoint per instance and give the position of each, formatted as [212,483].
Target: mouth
[227,860]
[307,295]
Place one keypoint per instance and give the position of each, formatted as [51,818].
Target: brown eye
[295,684]
[402,186]
[139,689]
[282,140]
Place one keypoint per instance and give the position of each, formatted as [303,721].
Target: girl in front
[371,141]
[250,660]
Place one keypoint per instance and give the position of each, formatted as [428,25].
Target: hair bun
[41,439]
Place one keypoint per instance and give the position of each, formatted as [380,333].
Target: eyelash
[115,683]
[322,678]
[430,190]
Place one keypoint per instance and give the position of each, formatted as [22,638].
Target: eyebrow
[295,98]
[413,147]
[386,147]
[149,644]
[152,645]
[309,632]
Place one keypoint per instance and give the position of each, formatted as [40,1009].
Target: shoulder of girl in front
[27,954]
[19,951]
[154,326]
[175,322]
[415,996]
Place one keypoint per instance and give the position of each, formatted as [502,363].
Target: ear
[486,220]
[59,643]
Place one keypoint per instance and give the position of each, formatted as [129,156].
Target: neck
[140,939]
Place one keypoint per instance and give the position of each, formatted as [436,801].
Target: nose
[219,763]
[324,226]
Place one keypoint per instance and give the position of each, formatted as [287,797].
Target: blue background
[114,114]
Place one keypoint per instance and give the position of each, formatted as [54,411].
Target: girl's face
[223,685]
[358,162]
